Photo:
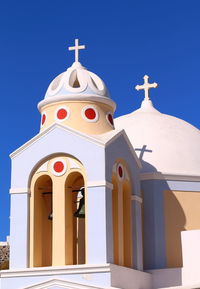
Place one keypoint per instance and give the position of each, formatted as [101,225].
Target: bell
[50,216]
[80,212]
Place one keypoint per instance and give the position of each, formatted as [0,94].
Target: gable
[60,284]
[57,141]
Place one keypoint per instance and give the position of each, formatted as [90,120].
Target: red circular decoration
[43,118]
[58,167]
[90,113]
[110,118]
[61,113]
[120,171]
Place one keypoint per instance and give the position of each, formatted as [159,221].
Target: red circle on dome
[90,113]
[110,118]
[58,167]
[120,171]
[62,113]
[43,118]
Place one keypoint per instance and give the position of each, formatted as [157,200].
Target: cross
[146,86]
[142,151]
[76,48]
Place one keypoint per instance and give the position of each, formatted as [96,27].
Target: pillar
[58,258]
[99,233]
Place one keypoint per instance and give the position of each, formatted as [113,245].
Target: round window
[110,119]
[90,113]
[120,171]
[58,167]
[62,113]
[43,118]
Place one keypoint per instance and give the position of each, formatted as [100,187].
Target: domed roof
[164,143]
[77,83]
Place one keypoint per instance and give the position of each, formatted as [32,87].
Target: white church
[100,203]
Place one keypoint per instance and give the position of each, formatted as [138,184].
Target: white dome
[169,145]
[77,83]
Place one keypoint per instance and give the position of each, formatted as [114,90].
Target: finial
[146,86]
[77,48]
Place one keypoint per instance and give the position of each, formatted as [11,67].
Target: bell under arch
[57,225]
[40,223]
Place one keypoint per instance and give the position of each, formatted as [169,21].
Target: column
[137,243]
[99,233]
[58,258]
[19,228]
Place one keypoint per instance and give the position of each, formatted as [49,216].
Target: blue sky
[124,40]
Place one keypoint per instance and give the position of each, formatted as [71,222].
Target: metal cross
[76,48]
[146,86]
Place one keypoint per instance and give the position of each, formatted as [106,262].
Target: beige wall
[76,120]
[182,212]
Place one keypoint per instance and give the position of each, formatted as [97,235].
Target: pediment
[60,284]
[57,133]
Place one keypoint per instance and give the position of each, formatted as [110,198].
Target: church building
[98,202]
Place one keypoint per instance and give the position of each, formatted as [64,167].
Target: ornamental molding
[81,97]
[90,184]
[136,198]
[19,191]
[169,177]
[49,130]
[102,183]
[69,269]
[61,284]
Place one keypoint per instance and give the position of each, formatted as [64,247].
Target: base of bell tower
[75,277]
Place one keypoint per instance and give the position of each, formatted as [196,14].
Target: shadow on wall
[146,167]
[163,221]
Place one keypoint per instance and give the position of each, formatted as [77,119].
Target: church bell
[80,212]
[50,216]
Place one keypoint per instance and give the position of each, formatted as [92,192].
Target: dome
[77,83]
[163,143]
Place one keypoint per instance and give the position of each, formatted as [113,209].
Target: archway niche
[122,217]
[127,217]
[115,219]
[75,227]
[41,223]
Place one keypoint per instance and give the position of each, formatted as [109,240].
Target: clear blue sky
[124,39]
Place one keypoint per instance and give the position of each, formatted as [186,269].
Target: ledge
[56,270]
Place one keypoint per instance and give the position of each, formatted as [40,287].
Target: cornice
[169,177]
[69,269]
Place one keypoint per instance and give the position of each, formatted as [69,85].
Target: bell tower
[75,193]
[57,214]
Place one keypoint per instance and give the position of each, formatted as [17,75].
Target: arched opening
[127,224]
[115,220]
[75,221]
[122,216]
[41,223]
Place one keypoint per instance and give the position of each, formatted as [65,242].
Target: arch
[40,222]
[122,215]
[127,217]
[75,227]
[45,159]
[115,219]
[55,193]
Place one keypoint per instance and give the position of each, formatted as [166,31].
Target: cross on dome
[146,86]
[77,47]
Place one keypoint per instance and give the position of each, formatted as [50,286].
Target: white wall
[191,257]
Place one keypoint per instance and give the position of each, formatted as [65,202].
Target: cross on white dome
[77,47]
[146,86]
